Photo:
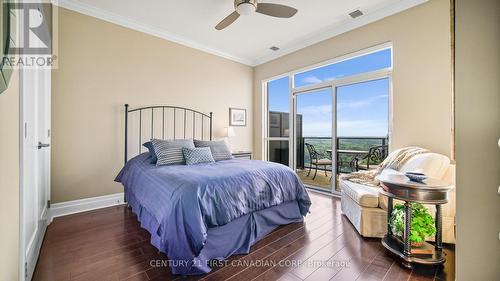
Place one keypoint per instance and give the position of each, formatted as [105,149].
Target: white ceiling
[248,39]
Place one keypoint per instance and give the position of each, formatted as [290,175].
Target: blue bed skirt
[223,241]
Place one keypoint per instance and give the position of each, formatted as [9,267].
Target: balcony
[351,156]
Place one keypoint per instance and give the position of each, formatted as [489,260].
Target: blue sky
[362,109]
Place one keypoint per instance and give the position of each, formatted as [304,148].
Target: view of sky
[362,109]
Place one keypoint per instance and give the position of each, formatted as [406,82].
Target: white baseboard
[83,205]
[34,249]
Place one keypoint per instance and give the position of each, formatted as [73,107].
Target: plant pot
[417,244]
[412,244]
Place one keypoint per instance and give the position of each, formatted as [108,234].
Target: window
[357,65]
[338,121]
[278,92]
[363,109]
[278,120]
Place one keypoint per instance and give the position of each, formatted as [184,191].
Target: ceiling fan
[247,7]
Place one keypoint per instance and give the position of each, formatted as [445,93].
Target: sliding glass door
[314,129]
[362,123]
[340,127]
[330,119]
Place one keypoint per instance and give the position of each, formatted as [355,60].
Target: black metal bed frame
[163,107]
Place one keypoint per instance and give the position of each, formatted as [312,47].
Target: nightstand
[242,155]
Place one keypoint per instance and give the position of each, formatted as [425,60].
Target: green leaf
[422,223]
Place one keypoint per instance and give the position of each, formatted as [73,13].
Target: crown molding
[145,28]
[317,37]
[332,31]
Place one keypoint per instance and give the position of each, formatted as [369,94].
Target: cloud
[326,109]
[317,120]
[354,124]
[317,129]
[364,128]
[311,80]
[315,110]
[349,128]
[360,103]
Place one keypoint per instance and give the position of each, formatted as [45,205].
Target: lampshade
[230,132]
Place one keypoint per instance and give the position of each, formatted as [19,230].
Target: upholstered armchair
[366,209]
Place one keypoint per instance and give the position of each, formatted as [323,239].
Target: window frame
[267,138]
[387,72]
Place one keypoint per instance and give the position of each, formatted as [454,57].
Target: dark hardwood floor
[108,244]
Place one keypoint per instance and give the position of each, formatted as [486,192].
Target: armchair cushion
[363,195]
[322,162]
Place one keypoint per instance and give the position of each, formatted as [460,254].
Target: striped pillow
[169,152]
[149,146]
[198,155]
[219,149]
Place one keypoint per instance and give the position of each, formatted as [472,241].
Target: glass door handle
[42,145]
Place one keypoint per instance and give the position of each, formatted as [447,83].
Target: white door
[35,191]
[315,133]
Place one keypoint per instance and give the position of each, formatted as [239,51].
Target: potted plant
[422,223]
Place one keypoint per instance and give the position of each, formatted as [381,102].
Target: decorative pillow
[149,146]
[219,149]
[198,155]
[169,152]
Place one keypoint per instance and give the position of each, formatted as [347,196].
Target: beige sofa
[367,209]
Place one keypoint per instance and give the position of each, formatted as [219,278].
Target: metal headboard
[184,111]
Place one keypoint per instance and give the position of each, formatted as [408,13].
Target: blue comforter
[187,200]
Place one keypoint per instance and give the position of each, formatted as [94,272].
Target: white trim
[331,32]
[295,92]
[317,37]
[35,246]
[264,127]
[351,55]
[335,195]
[87,204]
[145,28]
[21,256]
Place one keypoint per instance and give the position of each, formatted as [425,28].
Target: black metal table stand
[434,193]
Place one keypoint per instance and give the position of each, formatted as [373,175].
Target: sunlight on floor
[321,181]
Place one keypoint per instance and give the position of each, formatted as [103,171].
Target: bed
[196,214]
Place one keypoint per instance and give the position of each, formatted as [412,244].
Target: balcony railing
[347,149]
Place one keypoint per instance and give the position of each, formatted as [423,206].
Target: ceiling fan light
[246,8]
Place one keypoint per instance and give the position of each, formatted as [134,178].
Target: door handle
[42,145]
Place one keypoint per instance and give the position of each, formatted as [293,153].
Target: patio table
[340,151]
[354,153]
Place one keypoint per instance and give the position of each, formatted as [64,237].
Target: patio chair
[375,156]
[313,155]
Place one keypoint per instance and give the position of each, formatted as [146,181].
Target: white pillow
[433,165]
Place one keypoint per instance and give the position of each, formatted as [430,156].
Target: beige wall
[103,66]
[9,180]
[477,133]
[421,80]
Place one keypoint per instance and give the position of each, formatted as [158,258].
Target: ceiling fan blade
[276,10]
[227,21]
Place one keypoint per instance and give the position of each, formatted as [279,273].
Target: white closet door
[36,164]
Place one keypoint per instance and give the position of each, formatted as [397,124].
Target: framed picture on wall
[237,117]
